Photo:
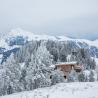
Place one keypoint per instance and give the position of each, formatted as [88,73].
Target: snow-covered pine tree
[3,81]
[91,76]
[13,73]
[57,77]
[38,70]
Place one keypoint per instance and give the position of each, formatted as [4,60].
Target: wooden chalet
[66,67]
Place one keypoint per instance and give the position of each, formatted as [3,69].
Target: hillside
[62,90]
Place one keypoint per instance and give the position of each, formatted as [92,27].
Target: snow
[31,36]
[3,44]
[20,32]
[95,75]
[62,90]
[58,63]
[52,66]
[86,72]
[96,60]
[73,62]
[22,65]
[89,42]
[68,58]
[1,58]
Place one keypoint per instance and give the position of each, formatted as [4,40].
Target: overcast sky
[75,18]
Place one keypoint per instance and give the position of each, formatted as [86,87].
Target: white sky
[75,18]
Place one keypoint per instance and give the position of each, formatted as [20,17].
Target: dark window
[65,77]
[78,70]
[51,77]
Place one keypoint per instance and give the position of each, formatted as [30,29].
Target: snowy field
[62,90]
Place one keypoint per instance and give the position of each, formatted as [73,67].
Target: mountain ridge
[31,36]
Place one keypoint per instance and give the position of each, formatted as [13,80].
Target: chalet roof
[73,62]
[63,63]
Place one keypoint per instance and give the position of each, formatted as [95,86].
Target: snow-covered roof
[61,63]
[67,63]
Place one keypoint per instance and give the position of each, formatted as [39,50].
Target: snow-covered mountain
[19,34]
[12,41]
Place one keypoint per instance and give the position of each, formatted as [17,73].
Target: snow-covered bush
[73,77]
[57,77]
[93,76]
[87,76]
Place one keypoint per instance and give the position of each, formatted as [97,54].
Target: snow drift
[62,90]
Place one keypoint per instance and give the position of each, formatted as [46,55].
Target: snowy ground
[62,90]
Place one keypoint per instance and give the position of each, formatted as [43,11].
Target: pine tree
[13,73]
[91,76]
[38,69]
[81,77]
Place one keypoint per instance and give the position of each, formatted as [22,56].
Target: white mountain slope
[30,36]
[62,90]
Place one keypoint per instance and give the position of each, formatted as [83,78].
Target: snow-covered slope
[31,36]
[20,32]
[63,90]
